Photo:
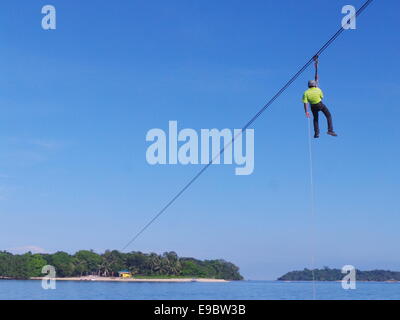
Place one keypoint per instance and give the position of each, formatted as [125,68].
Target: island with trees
[108,265]
[328,274]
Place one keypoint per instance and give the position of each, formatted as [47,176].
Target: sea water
[247,290]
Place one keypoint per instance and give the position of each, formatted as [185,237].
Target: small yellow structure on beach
[125,274]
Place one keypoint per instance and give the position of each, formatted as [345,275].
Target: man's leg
[315,111]
[328,116]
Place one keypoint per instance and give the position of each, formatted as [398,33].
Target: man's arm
[305,101]
[306,110]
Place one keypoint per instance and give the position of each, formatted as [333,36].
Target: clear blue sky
[77,102]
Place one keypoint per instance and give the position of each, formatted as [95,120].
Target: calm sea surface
[248,290]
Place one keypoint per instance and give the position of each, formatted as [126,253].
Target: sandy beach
[115,279]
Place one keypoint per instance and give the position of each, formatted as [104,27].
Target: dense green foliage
[327,274]
[87,262]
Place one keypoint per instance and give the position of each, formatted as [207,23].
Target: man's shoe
[332,133]
[316,135]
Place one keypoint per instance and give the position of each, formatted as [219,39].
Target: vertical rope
[312,206]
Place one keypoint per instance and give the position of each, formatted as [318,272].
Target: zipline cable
[294,77]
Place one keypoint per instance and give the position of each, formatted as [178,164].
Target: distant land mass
[110,263]
[327,274]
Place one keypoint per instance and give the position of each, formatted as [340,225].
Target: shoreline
[379,281]
[115,279]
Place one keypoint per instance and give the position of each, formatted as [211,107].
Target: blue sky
[77,102]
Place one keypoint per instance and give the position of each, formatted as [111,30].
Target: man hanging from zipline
[314,96]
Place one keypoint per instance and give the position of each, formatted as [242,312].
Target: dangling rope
[312,193]
[312,201]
